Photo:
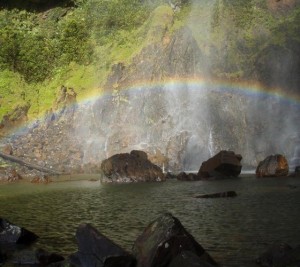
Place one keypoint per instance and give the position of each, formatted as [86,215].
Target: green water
[233,230]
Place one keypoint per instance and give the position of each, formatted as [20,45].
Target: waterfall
[211,142]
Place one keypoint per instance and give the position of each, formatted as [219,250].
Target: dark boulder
[10,233]
[170,175]
[222,165]
[188,177]
[218,195]
[140,154]
[165,239]
[94,249]
[182,176]
[133,167]
[280,255]
[273,166]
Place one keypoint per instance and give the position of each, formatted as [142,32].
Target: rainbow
[246,88]
[251,89]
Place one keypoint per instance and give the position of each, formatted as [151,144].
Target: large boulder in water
[13,234]
[133,167]
[273,166]
[164,240]
[222,165]
[94,249]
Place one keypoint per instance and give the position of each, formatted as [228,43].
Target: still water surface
[233,230]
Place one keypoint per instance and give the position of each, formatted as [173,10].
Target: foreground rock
[280,255]
[273,166]
[10,233]
[94,249]
[133,167]
[222,165]
[163,242]
[218,195]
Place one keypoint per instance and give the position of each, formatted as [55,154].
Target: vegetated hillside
[85,43]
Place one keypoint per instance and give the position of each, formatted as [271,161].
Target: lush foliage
[77,45]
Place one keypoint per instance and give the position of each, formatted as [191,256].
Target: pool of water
[233,230]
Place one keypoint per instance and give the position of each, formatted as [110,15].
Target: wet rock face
[181,57]
[133,167]
[165,239]
[279,67]
[273,166]
[51,144]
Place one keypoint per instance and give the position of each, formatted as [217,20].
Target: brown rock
[273,166]
[224,164]
[133,167]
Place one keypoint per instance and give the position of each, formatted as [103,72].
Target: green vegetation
[77,45]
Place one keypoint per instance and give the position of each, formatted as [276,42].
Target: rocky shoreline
[136,167]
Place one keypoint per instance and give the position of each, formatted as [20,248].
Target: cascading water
[181,125]
[211,143]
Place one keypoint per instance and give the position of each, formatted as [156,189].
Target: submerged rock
[94,249]
[133,167]
[222,165]
[273,166]
[10,233]
[218,195]
[165,239]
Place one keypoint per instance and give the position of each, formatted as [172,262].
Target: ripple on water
[233,230]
